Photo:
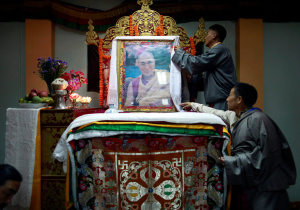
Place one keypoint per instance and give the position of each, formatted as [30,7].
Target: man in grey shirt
[261,166]
[217,65]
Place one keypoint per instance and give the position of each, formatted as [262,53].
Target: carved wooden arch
[147,21]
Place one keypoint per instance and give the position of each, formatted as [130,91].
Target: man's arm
[228,116]
[196,64]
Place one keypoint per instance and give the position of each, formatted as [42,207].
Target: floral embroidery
[82,187]
[167,173]
[98,182]
[81,144]
[201,175]
[133,175]
[203,172]
[218,186]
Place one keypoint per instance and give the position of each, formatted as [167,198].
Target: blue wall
[281,84]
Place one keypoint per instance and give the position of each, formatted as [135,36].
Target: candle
[86,99]
[74,96]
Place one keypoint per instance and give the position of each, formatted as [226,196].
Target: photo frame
[144,74]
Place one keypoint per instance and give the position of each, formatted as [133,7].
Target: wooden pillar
[249,55]
[39,42]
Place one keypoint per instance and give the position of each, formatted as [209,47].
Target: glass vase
[50,88]
[111,109]
[69,103]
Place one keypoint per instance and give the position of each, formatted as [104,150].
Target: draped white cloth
[60,152]
[20,142]
[175,72]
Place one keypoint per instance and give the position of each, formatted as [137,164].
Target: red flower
[74,79]
[133,175]
[152,143]
[218,186]
[167,173]
[201,176]
[81,144]
[109,143]
[218,144]
[83,187]
[98,182]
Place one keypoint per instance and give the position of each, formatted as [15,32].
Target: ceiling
[187,10]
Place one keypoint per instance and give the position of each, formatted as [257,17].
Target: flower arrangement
[74,79]
[100,51]
[193,48]
[50,69]
[131,29]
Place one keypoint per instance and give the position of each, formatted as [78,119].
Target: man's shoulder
[257,117]
[220,47]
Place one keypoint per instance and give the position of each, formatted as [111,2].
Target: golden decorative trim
[200,34]
[91,35]
[53,177]
[145,4]
[147,21]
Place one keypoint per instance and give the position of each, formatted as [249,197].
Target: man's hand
[176,47]
[186,105]
[222,160]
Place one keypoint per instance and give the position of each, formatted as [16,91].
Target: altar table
[146,160]
[31,136]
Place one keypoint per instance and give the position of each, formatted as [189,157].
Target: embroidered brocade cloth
[149,171]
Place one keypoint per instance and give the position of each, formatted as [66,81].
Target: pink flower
[74,96]
[75,79]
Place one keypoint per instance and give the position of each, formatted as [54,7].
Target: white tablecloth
[20,142]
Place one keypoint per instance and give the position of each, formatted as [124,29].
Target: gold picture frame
[143,72]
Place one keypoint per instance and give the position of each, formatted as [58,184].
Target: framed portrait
[144,74]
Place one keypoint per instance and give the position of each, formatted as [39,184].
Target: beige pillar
[39,42]
[249,55]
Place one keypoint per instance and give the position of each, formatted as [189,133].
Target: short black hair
[247,92]
[8,172]
[220,30]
